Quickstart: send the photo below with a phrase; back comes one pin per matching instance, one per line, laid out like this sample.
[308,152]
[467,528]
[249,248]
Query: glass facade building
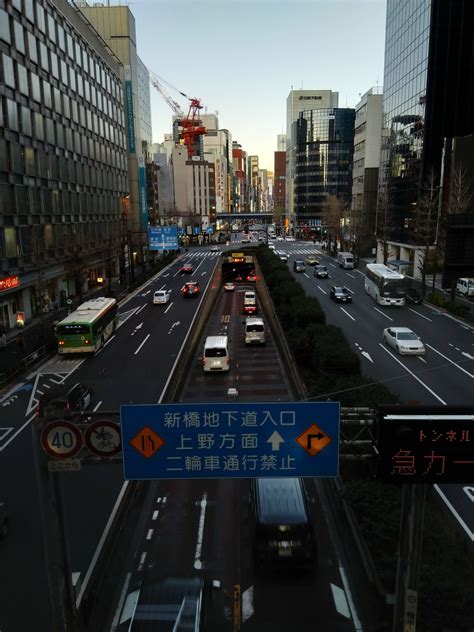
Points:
[428,92]
[63,160]
[323,160]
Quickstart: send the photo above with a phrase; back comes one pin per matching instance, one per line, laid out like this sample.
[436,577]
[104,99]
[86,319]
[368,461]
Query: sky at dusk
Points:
[242,57]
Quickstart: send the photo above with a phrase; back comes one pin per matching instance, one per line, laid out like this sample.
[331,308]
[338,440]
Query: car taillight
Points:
[61,343]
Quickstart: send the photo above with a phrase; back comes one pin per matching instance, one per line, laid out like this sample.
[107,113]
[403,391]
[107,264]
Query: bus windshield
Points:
[394,288]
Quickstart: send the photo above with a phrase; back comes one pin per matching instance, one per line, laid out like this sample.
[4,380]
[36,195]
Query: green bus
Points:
[87,328]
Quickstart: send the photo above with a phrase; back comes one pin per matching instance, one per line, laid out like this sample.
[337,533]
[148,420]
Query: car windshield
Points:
[407,335]
[321,268]
[339,289]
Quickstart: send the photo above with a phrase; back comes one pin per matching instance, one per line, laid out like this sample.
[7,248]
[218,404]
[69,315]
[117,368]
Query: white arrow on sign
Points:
[470,492]
[275,439]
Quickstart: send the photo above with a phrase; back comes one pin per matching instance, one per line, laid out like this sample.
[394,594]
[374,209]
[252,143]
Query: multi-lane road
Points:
[444,376]
[135,367]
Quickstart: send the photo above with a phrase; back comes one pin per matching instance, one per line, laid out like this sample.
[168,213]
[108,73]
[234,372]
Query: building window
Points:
[35,87]
[30,167]
[19,37]
[32,51]
[26,121]
[16,158]
[28,8]
[10,248]
[5,199]
[61,38]
[54,65]
[52,28]
[22,79]
[40,21]
[44,57]
[12,115]
[5,27]
[39,130]
[7,71]
[47,94]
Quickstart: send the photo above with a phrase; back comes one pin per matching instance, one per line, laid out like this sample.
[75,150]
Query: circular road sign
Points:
[103,438]
[61,439]
[69,301]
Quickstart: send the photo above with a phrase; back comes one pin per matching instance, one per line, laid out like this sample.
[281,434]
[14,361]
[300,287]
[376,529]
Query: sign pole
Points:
[409,557]
[55,540]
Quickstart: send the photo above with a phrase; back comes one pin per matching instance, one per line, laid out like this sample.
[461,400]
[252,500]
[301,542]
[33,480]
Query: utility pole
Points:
[409,557]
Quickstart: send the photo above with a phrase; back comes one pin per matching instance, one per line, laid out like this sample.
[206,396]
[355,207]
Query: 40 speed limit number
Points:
[61,439]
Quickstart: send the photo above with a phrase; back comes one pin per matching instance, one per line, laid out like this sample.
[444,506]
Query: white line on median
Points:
[149,534]
[119,605]
[451,361]
[139,310]
[142,344]
[355,618]
[340,601]
[142,560]
[413,375]
[347,313]
[202,517]
[380,312]
[458,517]
[418,314]
[155,514]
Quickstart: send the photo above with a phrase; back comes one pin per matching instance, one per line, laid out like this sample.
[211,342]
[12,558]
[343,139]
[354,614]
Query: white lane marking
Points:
[97,406]
[127,315]
[340,601]
[247,604]
[333,265]
[142,344]
[412,374]
[351,275]
[149,534]
[162,287]
[155,514]
[355,618]
[348,288]
[451,361]
[142,560]
[158,500]
[320,288]
[418,314]
[103,346]
[137,328]
[166,275]
[28,421]
[380,312]
[306,275]
[347,313]
[457,516]
[169,307]
[467,355]
[140,309]
[200,536]
[46,386]
[165,500]
[422,359]
[359,272]
[40,392]
[127,610]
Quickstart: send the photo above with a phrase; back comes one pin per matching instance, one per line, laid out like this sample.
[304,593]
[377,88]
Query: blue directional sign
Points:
[230,440]
[163,238]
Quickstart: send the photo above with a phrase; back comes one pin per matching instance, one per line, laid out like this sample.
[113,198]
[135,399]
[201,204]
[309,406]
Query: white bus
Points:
[87,328]
[386,286]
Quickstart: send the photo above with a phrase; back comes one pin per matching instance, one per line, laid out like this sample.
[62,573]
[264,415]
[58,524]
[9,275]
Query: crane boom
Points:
[170,101]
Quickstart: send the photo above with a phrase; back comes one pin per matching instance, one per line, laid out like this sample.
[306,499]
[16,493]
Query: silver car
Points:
[403,340]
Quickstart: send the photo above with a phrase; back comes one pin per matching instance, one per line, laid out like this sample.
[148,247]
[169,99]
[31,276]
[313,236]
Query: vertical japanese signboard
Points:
[129,110]
[142,192]
[425,444]
[230,440]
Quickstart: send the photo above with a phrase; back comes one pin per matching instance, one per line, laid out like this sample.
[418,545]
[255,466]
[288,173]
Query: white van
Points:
[465,286]
[161,296]
[346,260]
[250,303]
[254,331]
[216,354]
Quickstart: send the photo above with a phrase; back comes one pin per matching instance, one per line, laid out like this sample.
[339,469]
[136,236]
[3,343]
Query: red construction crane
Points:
[191,125]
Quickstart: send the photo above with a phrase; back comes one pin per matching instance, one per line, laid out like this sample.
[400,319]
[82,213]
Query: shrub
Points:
[333,354]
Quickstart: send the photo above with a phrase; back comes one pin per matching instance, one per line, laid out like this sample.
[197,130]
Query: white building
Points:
[365,170]
[296,102]
[281,142]
[194,189]
[215,148]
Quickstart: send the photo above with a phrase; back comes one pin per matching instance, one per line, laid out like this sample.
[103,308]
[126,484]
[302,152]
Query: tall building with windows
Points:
[63,157]
[297,102]
[279,188]
[428,96]
[239,179]
[367,142]
[253,184]
[116,25]
[323,161]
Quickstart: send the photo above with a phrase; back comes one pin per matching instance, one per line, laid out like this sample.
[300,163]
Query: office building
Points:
[116,25]
[279,187]
[297,102]
[63,158]
[360,229]
[427,98]
[323,161]
[194,190]
[281,142]
[239,179]
[253,184]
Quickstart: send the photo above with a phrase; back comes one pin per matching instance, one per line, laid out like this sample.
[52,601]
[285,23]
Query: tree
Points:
[424,223]
[383,224]
[333,212]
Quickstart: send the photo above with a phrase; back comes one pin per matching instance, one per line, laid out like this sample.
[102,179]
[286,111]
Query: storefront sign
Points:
[9,283]
[20,319]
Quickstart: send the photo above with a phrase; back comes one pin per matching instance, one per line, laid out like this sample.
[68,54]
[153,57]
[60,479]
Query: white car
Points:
[229,286]
[403,340]
[161,296]
[290,238]
[214,248]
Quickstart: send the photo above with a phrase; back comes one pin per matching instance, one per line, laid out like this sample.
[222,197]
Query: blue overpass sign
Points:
[230,440]
[163,238]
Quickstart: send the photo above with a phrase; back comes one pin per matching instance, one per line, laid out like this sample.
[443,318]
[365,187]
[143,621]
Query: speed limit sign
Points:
[61,439]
